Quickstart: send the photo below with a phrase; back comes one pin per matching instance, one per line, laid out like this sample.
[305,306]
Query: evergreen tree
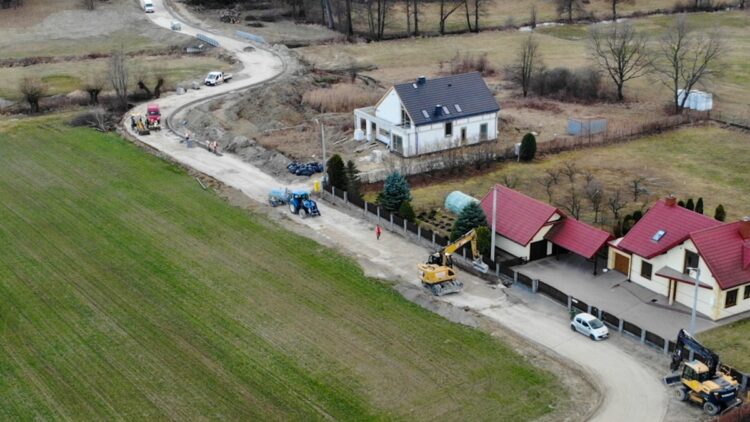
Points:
[353,183]
[336,172]
[395,191]
[699,206]
[407,212]
[690,205]
[471,217]
[528,147]
[681,203]
[720,214]
[484,241]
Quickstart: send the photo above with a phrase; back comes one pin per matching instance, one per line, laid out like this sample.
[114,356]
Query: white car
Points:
[589,325]
[148,6]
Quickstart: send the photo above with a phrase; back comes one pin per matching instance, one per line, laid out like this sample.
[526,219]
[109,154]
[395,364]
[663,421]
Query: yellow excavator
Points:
[438,274]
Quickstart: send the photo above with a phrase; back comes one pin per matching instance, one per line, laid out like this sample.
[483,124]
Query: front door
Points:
[622,263]
[538,250]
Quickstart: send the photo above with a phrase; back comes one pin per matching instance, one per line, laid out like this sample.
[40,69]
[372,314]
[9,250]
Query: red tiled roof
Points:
[676,221]
[578,237]
[724,251]
[519,217]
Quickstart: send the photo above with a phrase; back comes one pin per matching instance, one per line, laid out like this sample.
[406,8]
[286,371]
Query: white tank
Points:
[359,135]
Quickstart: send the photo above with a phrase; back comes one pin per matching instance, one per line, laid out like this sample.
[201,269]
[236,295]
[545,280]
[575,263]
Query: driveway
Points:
[631,391]
[611,292]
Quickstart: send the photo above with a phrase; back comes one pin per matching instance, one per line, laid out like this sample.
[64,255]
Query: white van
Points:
[148,6]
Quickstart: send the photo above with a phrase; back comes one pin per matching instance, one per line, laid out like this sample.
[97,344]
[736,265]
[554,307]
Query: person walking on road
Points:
[378,231]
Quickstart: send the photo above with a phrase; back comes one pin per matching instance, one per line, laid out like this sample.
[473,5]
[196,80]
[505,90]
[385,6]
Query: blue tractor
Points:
[299,201]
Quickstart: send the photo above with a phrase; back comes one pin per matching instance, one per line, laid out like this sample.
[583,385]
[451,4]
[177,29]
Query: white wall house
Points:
[430,115]
[657,252]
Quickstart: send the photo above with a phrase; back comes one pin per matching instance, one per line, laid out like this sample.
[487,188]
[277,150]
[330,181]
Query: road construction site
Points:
[627,378]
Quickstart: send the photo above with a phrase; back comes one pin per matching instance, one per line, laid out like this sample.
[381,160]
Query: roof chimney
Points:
[670,200]
[438,110]
[745,228]
[421,80]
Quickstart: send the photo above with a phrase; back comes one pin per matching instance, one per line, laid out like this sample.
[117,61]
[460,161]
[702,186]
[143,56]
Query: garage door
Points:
[622,263]
[538,250]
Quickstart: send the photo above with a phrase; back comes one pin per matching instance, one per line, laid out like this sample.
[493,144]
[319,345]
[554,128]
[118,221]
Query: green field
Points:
[732,342]
[128,292]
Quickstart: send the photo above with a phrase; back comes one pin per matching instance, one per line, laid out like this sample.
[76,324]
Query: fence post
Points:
[463,252]
[333,192]
[570,303]
[433,239]
[346,197]
[619,328]
[365,208]
[419,232]
[391,221]
[515,276]
[534,285]
[497,270]
[666,346]
[404,226]
[588,309]
[378,214]
[643,335]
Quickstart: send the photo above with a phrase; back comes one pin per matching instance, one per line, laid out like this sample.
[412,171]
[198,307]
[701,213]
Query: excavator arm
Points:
[470,237]
[701,352]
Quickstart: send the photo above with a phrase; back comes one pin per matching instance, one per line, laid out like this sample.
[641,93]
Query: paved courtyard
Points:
[611,292]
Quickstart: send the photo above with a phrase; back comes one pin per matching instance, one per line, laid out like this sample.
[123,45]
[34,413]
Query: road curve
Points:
[630,390]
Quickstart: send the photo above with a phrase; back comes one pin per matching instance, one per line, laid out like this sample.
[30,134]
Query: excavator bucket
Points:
[480,266]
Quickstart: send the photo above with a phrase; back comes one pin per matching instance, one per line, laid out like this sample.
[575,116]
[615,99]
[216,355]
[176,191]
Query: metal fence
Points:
[500,272]
[208,40]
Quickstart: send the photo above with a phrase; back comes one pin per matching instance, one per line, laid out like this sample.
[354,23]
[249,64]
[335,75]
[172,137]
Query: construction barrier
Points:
[250,37]
[208,40]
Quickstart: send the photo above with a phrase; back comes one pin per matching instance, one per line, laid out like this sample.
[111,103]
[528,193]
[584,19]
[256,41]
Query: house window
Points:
[731,299]
[691,261]
[405,120]
[483,131]
[385,132]
[646,270]
[463,133]
[373,128]
[746,295]
[449,129]
[398,144]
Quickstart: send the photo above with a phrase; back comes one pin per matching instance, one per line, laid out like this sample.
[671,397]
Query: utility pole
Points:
[695,299]
[494,223]
[322,139]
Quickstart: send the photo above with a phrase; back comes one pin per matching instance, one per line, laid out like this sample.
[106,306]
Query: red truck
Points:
[153,116]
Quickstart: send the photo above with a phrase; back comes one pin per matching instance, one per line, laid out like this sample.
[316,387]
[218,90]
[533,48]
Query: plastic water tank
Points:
[457,200]
[359,135]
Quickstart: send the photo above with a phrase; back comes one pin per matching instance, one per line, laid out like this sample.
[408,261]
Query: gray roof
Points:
[462,95]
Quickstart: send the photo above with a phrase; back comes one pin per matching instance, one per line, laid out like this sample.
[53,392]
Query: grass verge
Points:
[731,342]
[129,292]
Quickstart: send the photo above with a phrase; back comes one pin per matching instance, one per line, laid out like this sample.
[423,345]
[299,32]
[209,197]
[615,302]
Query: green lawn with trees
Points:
[129,292]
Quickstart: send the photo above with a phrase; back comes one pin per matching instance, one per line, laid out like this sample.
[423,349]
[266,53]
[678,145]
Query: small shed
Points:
[697,100]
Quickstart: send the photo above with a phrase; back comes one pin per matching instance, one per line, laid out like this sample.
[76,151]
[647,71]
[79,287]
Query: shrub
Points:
[720,214]
[690,204]
[336,172]
[407,212]
[352,180]
[470,63]
[528,147]
[471,217]
[484,241]
[339,98]
[699,206]
[563,83]
[395,191]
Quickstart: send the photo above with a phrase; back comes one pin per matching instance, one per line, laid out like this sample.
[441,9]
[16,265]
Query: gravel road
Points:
[631,390]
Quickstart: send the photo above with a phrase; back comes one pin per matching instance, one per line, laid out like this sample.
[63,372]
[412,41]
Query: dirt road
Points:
[631,390]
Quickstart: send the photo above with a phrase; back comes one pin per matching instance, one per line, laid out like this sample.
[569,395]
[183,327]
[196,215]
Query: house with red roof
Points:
[671,247]
[530,229]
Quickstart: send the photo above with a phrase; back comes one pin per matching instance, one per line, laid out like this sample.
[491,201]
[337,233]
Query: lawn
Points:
[128,292]
[709,162]
[731,342]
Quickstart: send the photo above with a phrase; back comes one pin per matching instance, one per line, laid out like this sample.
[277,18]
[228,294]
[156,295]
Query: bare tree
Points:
[528,60]
[621,53]
[32,90]
[570,170]
[616,204]
[572,202]
[637,186]
[349,27]
[595,195]
[568,7]
[741,4]
[685,59]
[510,181]
[94,84]
[415,13]
[549,187]
[553,174]
[615,3]
[474,9]
[118,77]
[89,4]
[532,16]
[377,15]
[447,8]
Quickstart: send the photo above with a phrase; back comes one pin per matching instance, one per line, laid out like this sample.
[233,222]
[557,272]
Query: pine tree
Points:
[720,214]
[690,205]
[528,147]
[336,172]
[353,183]
[471,217]
[681,203]
[699,206]
[407,212]
[395,191]
[484,241]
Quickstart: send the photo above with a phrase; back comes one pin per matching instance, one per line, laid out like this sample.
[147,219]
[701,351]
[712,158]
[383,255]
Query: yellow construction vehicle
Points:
[438,274]
[702,381]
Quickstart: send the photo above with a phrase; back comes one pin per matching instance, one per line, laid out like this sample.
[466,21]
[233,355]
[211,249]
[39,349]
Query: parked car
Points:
[215,78]
[589,325]
[148,6]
